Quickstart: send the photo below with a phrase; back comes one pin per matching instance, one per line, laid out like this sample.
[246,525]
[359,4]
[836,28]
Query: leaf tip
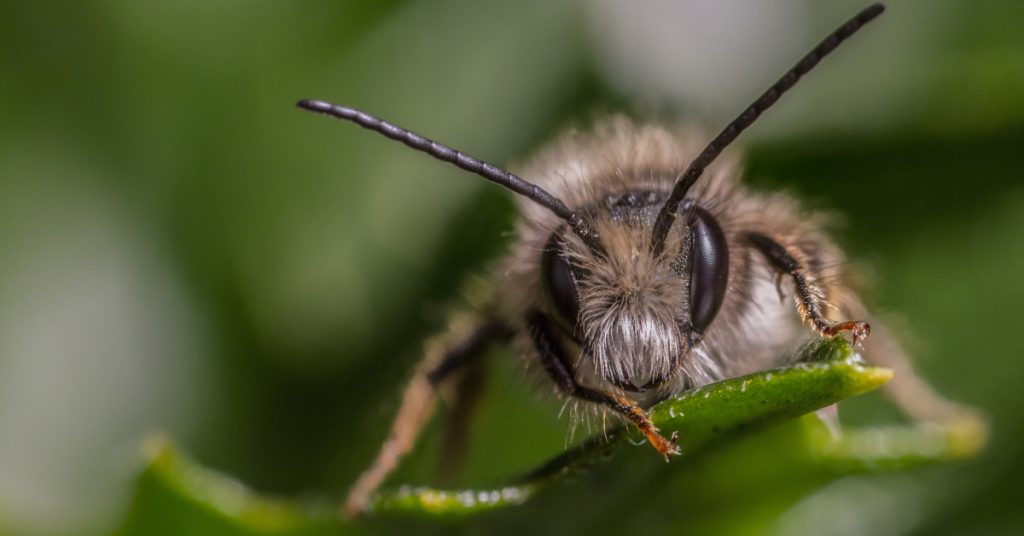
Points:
[874,377]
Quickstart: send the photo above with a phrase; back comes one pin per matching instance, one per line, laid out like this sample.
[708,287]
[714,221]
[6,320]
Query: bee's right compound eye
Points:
[559,286]
[709,270]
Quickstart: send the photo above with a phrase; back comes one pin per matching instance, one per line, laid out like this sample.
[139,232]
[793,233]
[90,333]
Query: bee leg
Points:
[444,356]
[965,427]
[908,391]
[466,387]
[559,368]
[810,297]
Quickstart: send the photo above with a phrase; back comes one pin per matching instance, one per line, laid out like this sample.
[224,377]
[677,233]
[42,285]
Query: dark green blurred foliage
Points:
[276,271]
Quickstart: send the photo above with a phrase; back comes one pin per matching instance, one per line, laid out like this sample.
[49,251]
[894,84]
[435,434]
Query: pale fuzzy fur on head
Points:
[632,306]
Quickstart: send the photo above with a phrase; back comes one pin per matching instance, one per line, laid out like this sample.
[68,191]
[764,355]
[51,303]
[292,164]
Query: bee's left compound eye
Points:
[709,269]
[559,286]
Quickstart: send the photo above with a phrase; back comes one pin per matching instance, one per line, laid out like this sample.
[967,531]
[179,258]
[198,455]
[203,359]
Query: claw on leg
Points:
[858,330]
[666,447]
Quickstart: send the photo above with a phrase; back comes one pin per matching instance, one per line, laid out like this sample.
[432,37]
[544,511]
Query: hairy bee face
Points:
[633,312]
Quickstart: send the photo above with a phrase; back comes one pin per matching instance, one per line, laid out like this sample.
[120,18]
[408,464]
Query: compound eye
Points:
[709,269]
[559,286]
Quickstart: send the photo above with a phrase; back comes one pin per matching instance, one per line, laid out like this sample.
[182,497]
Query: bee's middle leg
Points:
[446,358]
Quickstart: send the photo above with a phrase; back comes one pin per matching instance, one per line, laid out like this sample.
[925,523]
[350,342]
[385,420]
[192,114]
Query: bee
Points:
[644,268]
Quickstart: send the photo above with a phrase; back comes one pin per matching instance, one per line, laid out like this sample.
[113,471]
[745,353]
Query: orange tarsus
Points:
[666,447]
[858,330]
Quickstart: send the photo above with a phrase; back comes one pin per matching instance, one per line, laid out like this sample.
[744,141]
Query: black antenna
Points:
[442,152]
[668,212]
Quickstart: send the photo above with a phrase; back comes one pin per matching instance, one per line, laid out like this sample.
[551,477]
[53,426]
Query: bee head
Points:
[633,311]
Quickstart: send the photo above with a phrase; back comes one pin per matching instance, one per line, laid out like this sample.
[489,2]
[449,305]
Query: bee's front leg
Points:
[558,367]
[810,297]
[911,394]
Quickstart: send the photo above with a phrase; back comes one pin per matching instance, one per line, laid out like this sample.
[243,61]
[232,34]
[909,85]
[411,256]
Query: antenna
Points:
[446,154]
[667,216]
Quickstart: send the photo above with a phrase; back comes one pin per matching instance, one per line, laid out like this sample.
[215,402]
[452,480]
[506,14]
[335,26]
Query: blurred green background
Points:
[182,250]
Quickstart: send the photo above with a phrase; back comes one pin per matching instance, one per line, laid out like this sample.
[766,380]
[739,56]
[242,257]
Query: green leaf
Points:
[175,495]
[827,372]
